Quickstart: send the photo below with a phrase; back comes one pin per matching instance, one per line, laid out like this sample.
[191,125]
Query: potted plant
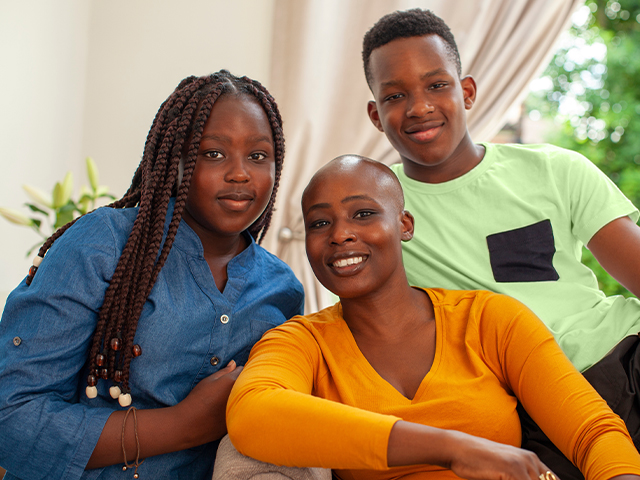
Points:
[51,211]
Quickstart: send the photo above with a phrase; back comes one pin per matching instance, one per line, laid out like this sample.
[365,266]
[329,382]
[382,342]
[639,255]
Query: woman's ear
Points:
[407,226]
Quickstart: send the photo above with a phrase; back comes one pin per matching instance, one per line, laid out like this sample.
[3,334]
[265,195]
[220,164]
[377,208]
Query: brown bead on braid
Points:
[174,135]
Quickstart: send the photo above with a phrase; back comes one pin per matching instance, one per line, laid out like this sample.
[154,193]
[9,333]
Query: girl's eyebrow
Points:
[226,139]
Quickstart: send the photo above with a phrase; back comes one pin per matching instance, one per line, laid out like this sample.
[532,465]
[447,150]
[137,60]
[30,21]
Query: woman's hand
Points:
[480,459]
[469,457]
[204,409]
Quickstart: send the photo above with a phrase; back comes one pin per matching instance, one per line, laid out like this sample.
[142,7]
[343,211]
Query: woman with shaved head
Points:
[404,382]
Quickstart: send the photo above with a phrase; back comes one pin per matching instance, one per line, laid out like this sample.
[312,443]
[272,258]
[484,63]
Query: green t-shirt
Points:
[516,224]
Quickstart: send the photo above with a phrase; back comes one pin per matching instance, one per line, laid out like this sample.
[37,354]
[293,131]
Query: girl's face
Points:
[235,169]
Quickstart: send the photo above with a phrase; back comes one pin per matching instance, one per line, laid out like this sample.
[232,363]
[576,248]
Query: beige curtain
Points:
[318,81]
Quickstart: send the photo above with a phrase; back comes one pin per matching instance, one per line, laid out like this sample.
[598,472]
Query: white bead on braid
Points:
[124,399]
[115,392]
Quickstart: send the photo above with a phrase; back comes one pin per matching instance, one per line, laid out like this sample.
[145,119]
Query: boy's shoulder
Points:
[542,151]
[513,160]
[528,159]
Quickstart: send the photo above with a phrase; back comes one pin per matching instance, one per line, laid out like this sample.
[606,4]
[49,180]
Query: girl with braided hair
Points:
[124,340]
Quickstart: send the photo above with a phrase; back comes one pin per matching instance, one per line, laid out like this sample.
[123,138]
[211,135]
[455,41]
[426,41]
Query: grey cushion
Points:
[232,465]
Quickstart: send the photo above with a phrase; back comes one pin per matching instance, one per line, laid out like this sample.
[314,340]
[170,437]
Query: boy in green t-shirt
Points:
[507,218]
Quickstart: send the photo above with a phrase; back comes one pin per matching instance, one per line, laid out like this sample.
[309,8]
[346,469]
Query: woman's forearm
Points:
[410,444]
[468,456]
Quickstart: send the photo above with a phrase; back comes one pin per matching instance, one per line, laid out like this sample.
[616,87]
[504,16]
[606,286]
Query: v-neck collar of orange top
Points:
[440,334]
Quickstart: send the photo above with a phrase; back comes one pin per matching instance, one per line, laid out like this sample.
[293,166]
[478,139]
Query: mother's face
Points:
[354,224]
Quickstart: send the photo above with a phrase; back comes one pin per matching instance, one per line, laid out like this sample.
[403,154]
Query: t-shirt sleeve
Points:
[594,200]
[554,393]
[45,333]
[273,416]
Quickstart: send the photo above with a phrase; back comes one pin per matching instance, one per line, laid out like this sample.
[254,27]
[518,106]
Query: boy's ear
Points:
[374,116]
[408,223]
[469,90]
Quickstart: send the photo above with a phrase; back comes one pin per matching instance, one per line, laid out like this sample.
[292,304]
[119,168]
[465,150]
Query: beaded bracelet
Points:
[137,462]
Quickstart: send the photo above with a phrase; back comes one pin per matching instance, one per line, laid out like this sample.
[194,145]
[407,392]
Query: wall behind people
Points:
[85,78]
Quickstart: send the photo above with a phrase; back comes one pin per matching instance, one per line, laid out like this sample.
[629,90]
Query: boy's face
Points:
[354,224]
[420,101]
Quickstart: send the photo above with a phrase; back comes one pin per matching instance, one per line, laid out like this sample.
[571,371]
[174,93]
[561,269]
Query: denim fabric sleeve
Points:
[45,333]
[294,293]
[300,308]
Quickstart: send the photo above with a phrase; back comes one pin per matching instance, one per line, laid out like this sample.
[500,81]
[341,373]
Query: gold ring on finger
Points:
[548,475]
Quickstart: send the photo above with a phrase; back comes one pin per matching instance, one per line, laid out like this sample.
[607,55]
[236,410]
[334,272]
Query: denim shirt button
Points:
[17,341]
[224,319]
[214,361]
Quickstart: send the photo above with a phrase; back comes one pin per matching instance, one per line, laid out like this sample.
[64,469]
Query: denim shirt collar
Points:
[187,241]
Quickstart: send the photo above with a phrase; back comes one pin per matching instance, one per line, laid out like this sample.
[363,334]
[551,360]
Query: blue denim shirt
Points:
[48,427]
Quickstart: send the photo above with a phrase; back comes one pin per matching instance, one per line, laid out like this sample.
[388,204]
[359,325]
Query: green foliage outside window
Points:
[591,91]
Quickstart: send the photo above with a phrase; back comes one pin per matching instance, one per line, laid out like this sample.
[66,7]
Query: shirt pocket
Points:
[524,254]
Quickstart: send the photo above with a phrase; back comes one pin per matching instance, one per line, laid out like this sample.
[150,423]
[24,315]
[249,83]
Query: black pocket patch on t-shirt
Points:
[524,254]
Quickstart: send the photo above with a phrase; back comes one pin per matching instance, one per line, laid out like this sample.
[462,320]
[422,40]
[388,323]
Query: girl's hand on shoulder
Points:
[204,409]
[481,459]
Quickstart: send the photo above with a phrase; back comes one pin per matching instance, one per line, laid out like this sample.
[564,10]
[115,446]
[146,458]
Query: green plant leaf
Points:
[63,217]
[60,203]
[64,214]
[35,208]
[84,204]
[69,207]
[92,173]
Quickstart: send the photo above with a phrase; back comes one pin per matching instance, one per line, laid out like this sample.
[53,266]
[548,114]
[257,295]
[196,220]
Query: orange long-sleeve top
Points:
[309,397]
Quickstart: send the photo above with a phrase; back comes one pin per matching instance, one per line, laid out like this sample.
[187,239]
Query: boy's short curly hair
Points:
[403,24]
